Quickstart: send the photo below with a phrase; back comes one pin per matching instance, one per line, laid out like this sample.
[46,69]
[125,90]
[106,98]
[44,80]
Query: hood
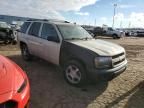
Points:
[10,78]
[101,47]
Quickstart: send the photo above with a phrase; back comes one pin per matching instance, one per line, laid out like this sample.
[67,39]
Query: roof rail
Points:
[49,20]
[57,20]
[32,20]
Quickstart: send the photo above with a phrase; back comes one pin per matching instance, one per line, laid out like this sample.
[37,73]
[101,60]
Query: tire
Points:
[14,42]
[74,73]
[25,53]
[115,36]
[118,37]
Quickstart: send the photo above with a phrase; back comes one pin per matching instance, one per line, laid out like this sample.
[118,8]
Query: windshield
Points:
[73,32]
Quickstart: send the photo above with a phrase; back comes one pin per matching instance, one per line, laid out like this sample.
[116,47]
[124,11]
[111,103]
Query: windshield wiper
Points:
[73,38]
[85,38]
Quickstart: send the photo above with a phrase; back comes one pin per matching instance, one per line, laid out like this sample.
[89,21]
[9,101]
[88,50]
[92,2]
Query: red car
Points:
[14,85]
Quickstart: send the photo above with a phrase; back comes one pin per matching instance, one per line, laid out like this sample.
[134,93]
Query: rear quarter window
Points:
[25,27]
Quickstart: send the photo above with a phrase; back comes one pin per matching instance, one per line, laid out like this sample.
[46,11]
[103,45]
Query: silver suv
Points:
[69,46]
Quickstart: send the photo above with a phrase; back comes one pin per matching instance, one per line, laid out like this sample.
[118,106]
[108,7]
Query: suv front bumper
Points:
[107,74]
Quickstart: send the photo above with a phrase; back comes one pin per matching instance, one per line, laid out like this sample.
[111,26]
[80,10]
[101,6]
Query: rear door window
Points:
[34,29]
[25,27]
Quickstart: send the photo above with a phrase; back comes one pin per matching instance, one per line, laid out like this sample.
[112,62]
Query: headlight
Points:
[103,62]
[22,87]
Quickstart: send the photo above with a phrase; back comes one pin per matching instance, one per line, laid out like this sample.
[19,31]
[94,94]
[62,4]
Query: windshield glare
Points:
[73,32]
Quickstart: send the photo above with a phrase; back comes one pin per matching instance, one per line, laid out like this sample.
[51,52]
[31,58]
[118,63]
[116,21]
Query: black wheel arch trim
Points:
[70,51]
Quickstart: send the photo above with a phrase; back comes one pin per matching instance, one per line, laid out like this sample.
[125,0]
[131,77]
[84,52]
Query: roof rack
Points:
[49,20]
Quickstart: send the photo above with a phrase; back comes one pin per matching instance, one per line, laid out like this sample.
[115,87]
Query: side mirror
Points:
[53,38]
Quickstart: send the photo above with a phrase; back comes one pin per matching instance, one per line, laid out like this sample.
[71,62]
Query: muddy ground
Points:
[49,89]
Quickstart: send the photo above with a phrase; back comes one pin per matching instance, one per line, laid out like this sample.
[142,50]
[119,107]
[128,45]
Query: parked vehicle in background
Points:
[14,85]
[133,33]
[136,32]
[94,31]
[89,29]
[15,28]
[116,34]
[140,33]
[71,47]
[127,33]
[107,31]
[6,33]
[98,31]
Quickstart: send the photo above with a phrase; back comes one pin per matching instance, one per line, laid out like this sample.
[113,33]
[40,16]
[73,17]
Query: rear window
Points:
[25,27]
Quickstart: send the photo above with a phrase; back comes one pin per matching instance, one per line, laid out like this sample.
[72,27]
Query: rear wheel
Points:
[25,52]
[74,73]
[115,36]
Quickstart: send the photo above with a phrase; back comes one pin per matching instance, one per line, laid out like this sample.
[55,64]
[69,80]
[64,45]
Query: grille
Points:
[9,104]
[118,59]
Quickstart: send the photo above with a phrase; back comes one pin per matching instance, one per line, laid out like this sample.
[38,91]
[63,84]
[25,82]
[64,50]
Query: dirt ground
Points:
[49,89]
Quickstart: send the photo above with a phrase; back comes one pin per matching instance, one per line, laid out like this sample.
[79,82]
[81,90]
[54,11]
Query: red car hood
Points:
[11,76]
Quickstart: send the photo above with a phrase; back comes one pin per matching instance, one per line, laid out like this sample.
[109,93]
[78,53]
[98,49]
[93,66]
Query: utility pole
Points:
[121,24]
[95,22]
[115,5]
[129,25]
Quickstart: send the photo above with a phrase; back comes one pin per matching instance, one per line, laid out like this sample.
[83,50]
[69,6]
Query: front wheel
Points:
[25,52]
[74,73]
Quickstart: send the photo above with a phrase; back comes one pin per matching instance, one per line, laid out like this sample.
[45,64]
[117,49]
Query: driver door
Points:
[50,43]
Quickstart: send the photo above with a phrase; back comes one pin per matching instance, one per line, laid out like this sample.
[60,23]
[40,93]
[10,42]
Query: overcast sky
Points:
[99,12]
